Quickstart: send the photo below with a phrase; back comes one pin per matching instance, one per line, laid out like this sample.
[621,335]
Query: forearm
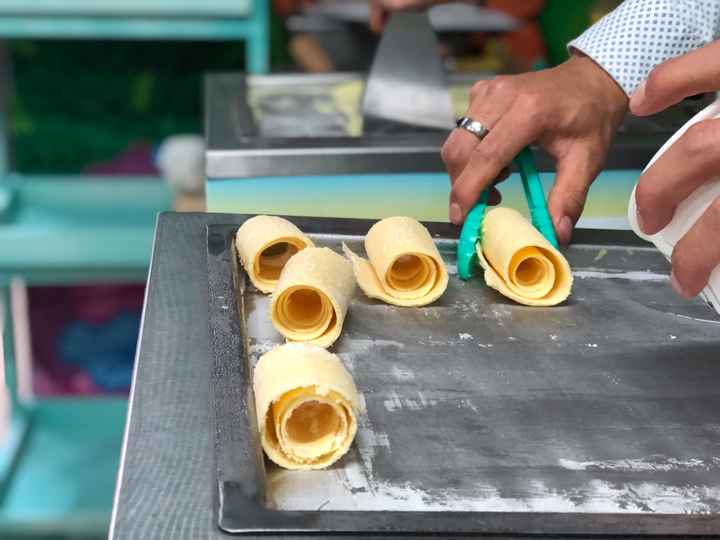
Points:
[640,34]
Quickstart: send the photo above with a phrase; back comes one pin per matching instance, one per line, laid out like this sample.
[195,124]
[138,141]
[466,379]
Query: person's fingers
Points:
[494,198]
[478,90]
[502,176]
[380,10]
[377,15]
[460,143]
[488,102]
[691,161]
[670,82]
[398,5]
[514,131]
[697,253]
[575,173]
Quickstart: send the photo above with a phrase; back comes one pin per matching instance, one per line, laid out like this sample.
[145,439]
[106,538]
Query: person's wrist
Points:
[600,83]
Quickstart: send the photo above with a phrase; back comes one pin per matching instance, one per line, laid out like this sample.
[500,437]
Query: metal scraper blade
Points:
[407,79]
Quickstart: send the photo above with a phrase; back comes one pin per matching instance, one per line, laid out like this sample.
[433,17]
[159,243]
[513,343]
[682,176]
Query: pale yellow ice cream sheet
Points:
[306,404]
[312,296]
[404,268]
[520,263]
[347,98]
[264,245]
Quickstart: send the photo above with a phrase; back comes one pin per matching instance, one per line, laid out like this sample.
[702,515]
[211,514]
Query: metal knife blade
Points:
[407,82]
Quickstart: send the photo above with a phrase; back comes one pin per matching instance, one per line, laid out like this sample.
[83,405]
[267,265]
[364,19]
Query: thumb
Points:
[696,72]
[575,173]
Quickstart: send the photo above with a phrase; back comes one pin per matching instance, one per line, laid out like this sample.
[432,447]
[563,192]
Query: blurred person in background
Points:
[523,47]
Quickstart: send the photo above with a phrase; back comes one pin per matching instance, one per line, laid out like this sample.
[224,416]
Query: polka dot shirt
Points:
[640,34]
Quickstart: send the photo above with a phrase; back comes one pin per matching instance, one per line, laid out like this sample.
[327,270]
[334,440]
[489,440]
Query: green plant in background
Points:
[81,102]
[142,89]
[563,20]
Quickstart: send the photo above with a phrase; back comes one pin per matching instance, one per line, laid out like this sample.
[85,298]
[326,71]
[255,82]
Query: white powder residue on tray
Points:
[425,401]
[394,402]
[349,488]
[695,319]
[465,337]
[467,309]
[501,312]
[469,405]
[257,319]
[363,345]
[402,374]
[412,404]
[258,348]
[631,276]
[367,439]
[431,312]
[354,485]
[634,465]
[432,342]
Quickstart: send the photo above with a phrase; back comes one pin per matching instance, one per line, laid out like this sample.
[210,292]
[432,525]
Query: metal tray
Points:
[601,416]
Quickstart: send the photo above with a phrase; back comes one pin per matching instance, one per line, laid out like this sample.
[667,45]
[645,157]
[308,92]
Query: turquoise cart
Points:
[57,466]
[246,20]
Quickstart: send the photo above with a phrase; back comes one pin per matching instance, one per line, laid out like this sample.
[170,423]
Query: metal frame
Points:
[240,465]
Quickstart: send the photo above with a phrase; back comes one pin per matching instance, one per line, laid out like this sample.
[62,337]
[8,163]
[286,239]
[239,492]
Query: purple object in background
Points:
[137,159]
[84,337]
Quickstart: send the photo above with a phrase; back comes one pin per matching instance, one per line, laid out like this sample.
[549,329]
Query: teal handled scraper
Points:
[471,235]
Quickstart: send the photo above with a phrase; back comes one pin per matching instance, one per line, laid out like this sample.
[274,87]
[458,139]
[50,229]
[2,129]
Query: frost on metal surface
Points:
[605,404]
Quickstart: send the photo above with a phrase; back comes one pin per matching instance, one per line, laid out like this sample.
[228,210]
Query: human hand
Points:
[381,9]
[572,110]
[692,161]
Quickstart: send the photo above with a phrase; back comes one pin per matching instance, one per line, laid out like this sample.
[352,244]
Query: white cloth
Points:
[640,34]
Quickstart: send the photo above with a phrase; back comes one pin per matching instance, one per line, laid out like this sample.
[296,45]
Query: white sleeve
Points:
[640,34]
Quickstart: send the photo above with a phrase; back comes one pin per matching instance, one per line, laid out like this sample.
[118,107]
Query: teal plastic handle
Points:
[470,235]
[535,196]
[471,232]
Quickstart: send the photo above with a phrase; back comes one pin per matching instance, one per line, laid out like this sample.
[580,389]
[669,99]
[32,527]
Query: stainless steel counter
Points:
[296,124]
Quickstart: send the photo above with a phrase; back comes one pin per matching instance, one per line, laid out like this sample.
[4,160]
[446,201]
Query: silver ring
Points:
[473,126]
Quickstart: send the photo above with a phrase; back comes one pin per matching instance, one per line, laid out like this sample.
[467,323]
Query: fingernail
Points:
[638,96]
[564,229]
[677,286]
[640,220]
[455,213]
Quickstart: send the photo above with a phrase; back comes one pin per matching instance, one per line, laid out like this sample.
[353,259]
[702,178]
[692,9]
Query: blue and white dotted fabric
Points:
[640,34]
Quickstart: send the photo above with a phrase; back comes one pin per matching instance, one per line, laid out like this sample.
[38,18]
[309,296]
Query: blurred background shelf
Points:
[75,229]
[84,439]
[78,206]
[244,20]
